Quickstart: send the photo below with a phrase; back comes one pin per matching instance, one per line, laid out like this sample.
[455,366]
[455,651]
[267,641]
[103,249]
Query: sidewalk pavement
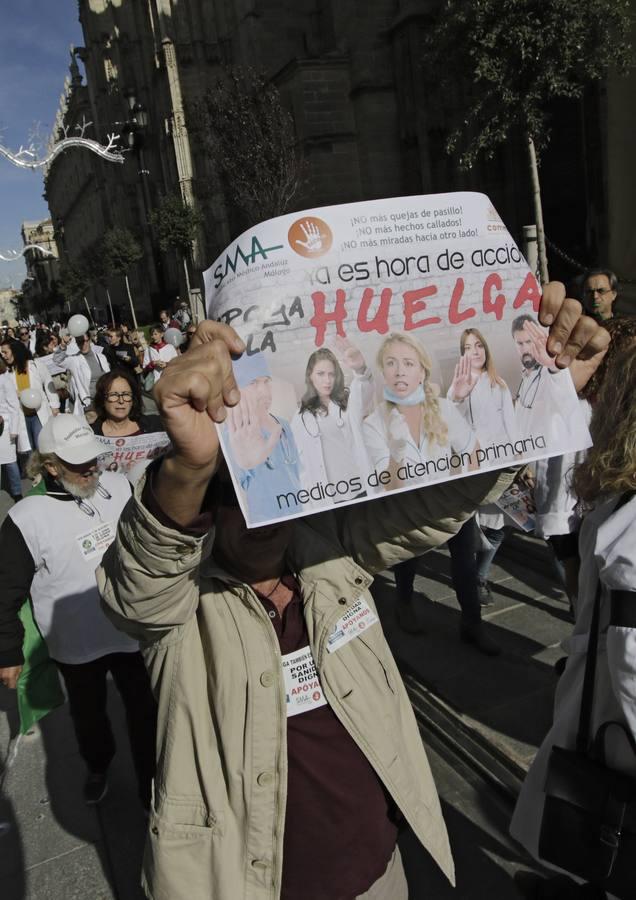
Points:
[506,699]
[52,846]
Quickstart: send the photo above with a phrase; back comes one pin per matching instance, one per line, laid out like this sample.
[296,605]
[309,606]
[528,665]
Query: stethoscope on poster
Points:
[523,399]
[340,423]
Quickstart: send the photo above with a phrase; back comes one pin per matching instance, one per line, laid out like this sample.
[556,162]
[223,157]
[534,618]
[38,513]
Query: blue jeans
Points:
[495,537]
[463,573]
[34,427]
[11,472]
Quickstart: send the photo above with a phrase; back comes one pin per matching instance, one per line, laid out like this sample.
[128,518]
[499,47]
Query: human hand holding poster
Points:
[391,344]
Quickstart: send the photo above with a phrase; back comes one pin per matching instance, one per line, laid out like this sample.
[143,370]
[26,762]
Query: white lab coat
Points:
[553,495]
[382,432]
[489,411]
[11,413]
[80,372]
[606,547]
[152,354]
[39,380]
[306,431]
[546,405]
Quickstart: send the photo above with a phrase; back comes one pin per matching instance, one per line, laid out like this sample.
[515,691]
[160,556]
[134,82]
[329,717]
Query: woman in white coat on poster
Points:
[414,434]
[606,550]
[327,428]
[482,396]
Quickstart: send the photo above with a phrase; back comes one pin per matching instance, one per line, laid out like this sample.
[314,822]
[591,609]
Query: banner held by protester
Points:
[391,344]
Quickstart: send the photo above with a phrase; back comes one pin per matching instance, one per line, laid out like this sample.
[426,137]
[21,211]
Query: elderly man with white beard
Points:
[51,545]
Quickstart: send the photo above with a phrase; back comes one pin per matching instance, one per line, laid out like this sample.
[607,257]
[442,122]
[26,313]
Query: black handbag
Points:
[588,826]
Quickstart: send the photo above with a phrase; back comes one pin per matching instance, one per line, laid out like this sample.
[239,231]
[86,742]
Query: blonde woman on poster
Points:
[415,434]
[328,425]
[481,395]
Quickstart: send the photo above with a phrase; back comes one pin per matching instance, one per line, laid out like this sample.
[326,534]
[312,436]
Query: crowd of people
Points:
[263,717]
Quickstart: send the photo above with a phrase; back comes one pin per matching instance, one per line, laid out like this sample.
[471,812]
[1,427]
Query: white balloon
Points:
[173,336]
[78,325]
[30,398]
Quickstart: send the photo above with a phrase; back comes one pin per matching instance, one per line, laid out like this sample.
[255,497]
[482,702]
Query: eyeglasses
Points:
[601,291]
[119,395]
[24,334]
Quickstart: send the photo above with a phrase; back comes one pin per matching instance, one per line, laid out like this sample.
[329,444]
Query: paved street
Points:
[53,847]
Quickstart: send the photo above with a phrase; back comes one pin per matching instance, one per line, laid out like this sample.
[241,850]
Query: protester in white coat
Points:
[157,355]
[606,550]
[34,375]
[86,363]
[328,425]
[9,428]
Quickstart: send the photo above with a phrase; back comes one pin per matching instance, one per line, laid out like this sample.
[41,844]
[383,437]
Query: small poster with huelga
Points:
[390,344]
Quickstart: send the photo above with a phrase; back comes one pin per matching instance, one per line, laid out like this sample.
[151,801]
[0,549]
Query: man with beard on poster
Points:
[546,406]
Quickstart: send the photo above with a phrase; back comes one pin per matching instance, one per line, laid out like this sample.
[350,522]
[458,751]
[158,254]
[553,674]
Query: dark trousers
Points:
[87,694]
[463,573]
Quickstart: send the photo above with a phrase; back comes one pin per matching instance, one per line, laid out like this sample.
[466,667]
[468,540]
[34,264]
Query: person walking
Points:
[51,544]
[606,482]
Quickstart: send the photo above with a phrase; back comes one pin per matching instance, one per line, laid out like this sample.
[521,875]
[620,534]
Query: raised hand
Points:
[249,445]
[539,344]
[398,436]
[574,340]
[464,379]
[349,355]
[313,236]
[194,391]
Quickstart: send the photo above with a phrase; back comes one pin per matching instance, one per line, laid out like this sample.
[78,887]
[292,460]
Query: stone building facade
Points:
[43,268]
[367,123]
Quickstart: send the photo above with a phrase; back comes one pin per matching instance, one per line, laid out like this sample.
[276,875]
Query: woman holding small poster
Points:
[131,439]
[481,395]
[414,434]
[328,425]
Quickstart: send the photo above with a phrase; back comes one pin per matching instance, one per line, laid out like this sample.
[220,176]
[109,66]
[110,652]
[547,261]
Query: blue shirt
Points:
[275,478]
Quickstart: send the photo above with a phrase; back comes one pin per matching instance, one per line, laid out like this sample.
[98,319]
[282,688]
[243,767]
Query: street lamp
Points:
[135,129]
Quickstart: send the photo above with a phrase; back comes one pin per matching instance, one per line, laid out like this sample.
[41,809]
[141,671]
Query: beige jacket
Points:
[217,825]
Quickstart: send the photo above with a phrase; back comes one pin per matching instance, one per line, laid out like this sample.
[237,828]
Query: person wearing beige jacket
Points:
[287,749]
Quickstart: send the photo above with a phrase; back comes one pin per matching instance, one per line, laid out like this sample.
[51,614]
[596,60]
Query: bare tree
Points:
[251,137]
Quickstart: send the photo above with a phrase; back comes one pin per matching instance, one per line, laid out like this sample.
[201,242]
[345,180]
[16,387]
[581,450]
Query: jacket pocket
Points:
[387,675]
[183,817]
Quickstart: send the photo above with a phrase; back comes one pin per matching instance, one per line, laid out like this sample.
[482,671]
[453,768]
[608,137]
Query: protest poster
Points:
[51,365]
[518,504]
[131,455]
[391,344]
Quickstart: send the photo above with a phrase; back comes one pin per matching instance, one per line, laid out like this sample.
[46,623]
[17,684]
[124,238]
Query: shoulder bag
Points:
[589,818]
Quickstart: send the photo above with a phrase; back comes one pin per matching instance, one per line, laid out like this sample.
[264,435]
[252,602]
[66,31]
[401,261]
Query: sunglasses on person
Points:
[119,395]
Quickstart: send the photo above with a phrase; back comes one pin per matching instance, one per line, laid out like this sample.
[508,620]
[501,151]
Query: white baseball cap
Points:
[70,438]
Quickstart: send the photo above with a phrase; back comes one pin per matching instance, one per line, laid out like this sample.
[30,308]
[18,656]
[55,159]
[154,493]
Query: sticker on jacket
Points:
[302,685]
[357,619]
[97,541]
